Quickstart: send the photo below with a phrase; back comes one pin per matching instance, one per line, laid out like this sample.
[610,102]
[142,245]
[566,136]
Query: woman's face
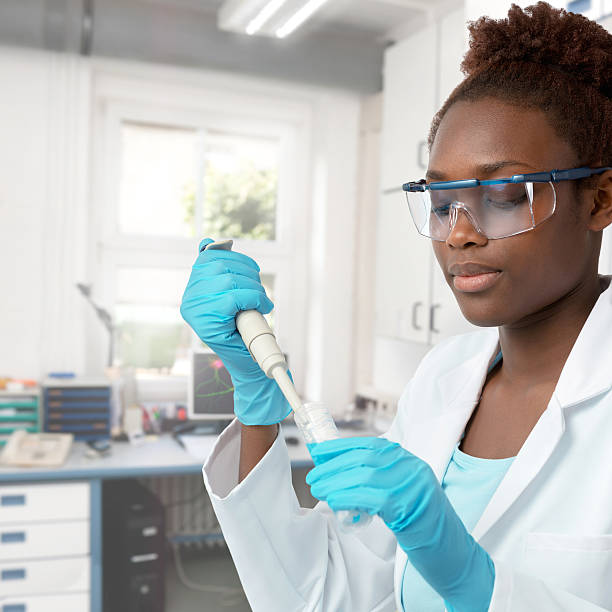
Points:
[537,267]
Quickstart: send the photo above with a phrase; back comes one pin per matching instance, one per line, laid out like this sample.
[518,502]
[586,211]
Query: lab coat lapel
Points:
[586,373]
[457,392]
[534,453]
[434,436]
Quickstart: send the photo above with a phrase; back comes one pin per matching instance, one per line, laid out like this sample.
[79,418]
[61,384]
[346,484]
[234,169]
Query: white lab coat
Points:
[548,526]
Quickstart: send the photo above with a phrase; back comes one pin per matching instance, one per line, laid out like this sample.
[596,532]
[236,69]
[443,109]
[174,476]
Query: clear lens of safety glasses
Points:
[496,211]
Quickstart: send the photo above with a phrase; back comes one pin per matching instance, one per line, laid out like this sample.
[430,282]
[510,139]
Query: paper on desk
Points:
[198,446]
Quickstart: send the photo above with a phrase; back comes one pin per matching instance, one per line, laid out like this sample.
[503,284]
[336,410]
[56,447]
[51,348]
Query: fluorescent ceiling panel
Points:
[277,18]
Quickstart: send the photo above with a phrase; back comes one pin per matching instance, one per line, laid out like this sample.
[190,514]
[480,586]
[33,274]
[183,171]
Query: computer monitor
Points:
[210,392]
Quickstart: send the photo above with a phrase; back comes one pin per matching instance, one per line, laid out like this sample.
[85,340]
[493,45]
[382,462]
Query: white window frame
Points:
[121,97]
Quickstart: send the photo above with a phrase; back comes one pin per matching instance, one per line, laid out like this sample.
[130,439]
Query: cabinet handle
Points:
[422,146]
[414,315]
[432,314]
[13,574]
[144,558]
[12,500]
[10,537]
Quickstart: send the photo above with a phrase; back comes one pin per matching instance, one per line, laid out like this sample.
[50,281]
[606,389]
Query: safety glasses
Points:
[497,208]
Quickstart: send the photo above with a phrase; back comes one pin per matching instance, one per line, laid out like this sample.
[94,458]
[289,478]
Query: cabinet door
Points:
[403,261]
[408,107]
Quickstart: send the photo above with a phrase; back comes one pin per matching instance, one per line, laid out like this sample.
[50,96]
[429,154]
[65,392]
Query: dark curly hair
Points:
[548,59]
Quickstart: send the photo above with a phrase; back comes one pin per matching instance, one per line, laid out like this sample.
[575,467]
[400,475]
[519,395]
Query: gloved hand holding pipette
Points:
[222,284]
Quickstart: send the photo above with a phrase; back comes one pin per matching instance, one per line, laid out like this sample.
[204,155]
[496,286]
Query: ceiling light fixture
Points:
[266,12]
[299,17]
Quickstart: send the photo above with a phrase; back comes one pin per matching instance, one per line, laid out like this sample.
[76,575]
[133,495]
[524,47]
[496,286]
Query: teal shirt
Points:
[469,483]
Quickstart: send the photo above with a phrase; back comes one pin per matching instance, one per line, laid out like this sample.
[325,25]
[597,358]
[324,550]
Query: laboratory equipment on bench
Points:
[312,418]
[25,449]
[81,406]
[210,390]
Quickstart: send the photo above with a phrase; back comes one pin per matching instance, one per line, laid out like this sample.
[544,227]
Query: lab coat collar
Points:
[587,372]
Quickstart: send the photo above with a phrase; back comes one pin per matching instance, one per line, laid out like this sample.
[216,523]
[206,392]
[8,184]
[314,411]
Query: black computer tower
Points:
[133,548]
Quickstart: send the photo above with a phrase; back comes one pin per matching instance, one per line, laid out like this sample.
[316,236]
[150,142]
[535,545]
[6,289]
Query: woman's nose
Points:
[463,228]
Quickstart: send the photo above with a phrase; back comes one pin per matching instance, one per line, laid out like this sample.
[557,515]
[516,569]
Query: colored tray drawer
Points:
[44,502]
[93,392]
[82,427]
[17,415]
[38,540]
[17,404]
[55,415]
[6,429]
[57,405]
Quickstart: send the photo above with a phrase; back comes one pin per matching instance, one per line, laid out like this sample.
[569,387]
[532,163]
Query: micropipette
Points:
[313,420]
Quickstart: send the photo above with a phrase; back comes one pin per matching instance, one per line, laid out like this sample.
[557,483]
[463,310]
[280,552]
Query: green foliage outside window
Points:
[237,204]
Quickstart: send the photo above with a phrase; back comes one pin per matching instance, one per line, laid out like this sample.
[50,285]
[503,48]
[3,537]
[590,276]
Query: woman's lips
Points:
[475,283]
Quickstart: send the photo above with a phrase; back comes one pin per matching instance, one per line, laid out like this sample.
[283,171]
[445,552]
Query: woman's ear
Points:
[601,209]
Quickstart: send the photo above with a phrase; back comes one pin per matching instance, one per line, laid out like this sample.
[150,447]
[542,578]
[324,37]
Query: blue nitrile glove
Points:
[221,284]
[383,478]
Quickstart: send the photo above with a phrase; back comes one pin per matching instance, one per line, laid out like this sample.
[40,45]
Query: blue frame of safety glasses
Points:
[554,176]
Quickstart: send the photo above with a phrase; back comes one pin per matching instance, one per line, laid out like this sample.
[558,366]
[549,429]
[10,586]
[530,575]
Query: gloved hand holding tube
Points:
[384,478]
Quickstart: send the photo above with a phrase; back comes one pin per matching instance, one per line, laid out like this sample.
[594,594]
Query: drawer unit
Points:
[39,540]
[80,408]
[60,575]
[75,602]
[44,502]
[19,410]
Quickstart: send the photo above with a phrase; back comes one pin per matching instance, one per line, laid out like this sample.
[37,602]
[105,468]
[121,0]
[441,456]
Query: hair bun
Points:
[541,34]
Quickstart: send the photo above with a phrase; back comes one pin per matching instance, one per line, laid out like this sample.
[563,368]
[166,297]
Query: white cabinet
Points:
[45,561]
[38,540]
[42,576]
[44,502]
[73,602]
[409,98]
[403,265]
[413,301]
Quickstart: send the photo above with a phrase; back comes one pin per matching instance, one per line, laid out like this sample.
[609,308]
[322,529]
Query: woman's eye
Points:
[507,203]
[441,210]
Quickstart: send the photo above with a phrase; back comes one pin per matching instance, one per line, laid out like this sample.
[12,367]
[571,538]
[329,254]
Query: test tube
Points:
[316,424]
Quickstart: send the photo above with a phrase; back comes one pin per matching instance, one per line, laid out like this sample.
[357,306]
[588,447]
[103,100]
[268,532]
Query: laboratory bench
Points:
[51,519]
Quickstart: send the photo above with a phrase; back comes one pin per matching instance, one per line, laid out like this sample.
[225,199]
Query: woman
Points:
[493,487]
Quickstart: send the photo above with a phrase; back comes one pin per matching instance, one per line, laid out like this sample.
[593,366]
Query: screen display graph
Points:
[212,387]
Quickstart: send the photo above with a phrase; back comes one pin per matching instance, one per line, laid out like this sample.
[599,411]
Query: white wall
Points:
[45,156]
[43,166]
[368,188]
